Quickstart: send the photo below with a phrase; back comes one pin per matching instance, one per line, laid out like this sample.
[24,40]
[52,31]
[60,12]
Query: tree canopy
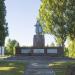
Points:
[3,23]
[10,46]
[57,17]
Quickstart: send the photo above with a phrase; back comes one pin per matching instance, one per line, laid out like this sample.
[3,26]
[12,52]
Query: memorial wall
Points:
[39,51]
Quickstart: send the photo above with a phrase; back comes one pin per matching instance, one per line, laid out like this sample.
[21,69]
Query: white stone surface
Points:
[51,50]
[38,51]
[25,50]
[1,50]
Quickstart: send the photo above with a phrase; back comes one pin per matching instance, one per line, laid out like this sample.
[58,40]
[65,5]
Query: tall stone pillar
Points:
[38,41]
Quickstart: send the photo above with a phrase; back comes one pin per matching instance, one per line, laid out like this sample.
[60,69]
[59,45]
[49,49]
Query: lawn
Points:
[12,68]
[61,68]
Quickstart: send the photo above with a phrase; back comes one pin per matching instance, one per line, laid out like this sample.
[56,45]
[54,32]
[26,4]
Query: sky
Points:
[21,17]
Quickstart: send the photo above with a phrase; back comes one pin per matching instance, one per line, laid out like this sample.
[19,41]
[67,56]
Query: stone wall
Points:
[51,51]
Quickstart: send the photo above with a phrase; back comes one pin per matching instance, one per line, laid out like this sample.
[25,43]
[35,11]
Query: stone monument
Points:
[38,40]
[39,47]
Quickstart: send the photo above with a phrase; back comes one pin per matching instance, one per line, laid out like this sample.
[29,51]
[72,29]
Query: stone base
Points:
[46,51]
[38,41]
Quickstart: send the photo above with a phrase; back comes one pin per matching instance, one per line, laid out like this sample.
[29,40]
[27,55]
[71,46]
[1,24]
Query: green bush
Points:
[70,50]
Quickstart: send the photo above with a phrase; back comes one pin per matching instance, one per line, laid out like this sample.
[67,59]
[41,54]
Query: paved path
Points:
[39,68]
[36,58]
[38,65]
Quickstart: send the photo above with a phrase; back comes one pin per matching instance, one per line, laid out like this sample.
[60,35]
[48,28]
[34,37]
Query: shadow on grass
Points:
[12,68]
[62,68]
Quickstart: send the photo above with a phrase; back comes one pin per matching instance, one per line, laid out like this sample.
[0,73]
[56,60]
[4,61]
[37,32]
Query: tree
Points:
[58,41]
[57,17]
[71,48]
[70,13]
[3,24]
[11,45]
[52,44]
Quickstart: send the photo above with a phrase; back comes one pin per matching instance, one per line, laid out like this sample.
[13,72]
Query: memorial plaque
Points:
[52,51]
[38,50]
[25,50]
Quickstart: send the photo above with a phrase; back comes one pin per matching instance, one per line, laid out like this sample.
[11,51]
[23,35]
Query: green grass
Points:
[4,56]
[12,68]
[61,68]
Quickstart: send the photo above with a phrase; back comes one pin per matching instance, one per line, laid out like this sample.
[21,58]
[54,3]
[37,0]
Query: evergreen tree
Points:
[3,24]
